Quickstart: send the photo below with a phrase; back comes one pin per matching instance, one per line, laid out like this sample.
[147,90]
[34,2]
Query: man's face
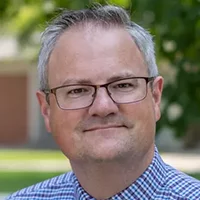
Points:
[104,131]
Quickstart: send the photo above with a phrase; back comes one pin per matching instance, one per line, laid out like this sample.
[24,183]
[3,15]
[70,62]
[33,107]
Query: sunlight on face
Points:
[105,130]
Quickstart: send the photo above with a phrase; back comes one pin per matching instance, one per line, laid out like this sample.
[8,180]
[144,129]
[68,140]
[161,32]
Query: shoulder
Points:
[59,186]
[179,185]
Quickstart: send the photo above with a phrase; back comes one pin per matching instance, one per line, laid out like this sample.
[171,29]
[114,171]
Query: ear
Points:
[44,108]
[157,93]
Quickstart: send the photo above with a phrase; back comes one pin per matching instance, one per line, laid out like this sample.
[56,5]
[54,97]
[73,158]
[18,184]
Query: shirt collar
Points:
[144,187]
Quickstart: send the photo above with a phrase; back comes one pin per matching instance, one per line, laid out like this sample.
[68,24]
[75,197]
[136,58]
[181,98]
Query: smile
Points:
[104,128]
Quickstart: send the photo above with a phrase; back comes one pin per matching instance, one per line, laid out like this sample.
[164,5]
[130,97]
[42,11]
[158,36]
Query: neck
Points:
[105,179]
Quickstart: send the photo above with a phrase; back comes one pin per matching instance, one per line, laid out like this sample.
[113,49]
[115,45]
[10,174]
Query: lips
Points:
[103,127]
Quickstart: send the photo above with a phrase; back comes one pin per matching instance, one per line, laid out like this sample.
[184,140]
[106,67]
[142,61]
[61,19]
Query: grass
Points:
[13,181]
[30,154]
[197,176]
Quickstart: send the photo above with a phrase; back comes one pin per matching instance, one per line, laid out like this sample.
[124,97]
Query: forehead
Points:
[94,53]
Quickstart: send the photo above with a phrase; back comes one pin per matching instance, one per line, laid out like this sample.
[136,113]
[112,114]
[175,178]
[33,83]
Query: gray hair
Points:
[102,15]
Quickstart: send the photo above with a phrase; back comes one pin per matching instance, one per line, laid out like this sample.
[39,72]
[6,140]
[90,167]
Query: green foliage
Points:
[175,24]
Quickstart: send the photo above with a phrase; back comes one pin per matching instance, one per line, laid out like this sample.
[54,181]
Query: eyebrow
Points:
[76,81]
[89,82]
[121,76]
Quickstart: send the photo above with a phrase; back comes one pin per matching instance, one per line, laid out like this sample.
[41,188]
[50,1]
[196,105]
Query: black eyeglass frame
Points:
[47,92]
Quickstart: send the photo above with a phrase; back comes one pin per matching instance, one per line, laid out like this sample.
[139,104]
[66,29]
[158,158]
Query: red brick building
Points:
[21,124]
[19,113]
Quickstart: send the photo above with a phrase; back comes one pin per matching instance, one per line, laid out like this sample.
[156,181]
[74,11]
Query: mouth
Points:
[104,128]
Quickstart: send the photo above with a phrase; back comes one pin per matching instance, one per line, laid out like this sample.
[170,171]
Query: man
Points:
[100,96]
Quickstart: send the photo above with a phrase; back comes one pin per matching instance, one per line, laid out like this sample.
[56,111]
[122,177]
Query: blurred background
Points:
[27,152]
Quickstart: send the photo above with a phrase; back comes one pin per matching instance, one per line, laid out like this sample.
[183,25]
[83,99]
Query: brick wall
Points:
[13,109]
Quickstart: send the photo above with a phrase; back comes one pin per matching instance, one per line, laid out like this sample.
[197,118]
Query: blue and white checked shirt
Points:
[159,182]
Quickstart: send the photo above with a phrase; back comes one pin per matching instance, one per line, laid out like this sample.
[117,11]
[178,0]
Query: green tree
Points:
[176,26]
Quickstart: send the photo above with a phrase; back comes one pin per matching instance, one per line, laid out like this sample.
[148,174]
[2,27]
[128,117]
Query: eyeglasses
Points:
[123,91]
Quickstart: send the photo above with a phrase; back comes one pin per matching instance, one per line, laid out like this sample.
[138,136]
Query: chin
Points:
[107,153]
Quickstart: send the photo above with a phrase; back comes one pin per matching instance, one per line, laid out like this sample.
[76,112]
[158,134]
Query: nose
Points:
[103,105]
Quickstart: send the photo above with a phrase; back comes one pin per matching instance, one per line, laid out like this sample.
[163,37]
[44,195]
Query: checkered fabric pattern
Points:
[159,182]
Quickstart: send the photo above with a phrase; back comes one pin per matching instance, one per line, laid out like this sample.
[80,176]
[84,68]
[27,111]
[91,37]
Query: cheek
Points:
[64,122]
[142,115]
[140,111]
[64,129]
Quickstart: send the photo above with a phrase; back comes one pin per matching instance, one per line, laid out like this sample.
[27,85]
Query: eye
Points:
[77,91]
[124,85]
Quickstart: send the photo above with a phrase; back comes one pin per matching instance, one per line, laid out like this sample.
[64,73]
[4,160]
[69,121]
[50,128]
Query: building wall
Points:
[14,103]
[21,124]
[13,108]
